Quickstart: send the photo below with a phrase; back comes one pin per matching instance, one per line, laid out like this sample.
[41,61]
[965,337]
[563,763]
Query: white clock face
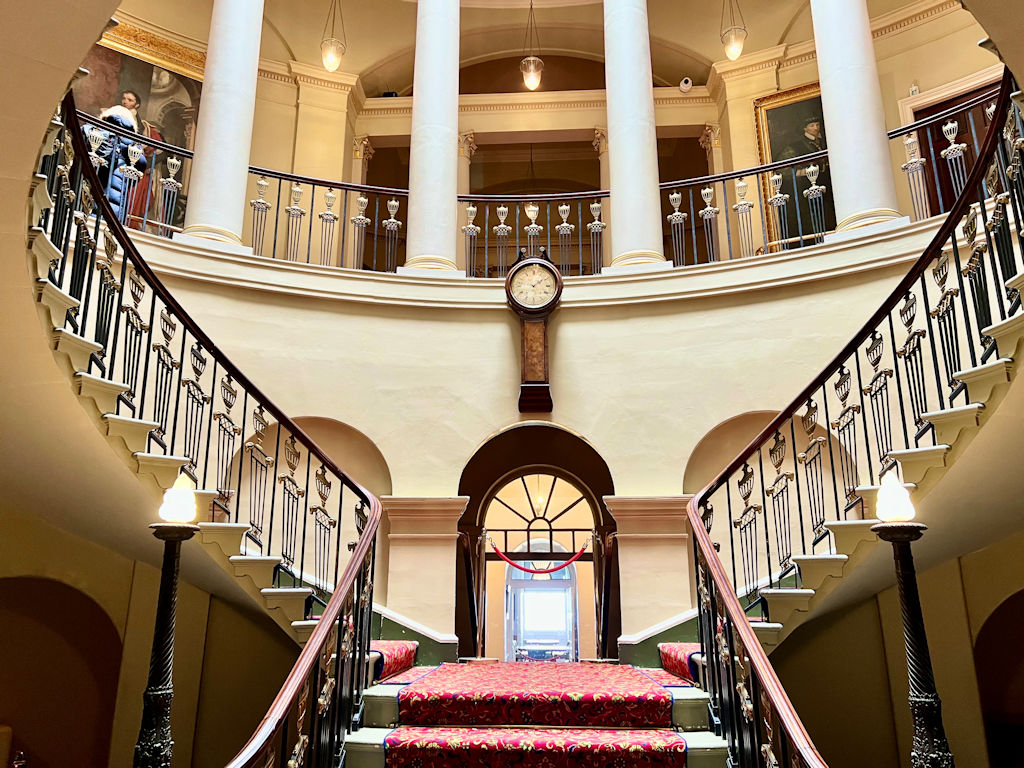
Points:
[533,286]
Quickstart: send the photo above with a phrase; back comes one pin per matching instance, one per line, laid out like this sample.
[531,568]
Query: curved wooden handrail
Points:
[314,646]
[762,668]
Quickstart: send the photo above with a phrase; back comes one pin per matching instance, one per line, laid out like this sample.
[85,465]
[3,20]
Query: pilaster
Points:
[656,577]
[422,558]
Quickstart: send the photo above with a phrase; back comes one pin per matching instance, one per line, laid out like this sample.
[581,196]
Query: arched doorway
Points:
[535,500]
[1000,675]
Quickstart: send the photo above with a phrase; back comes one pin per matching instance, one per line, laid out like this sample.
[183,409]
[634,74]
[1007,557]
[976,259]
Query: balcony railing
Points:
[258,467]
[817,459]
[766,209]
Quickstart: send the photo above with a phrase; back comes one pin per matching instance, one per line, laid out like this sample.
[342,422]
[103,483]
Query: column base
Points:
[876,227]
[212,243]
[645,266]
[428,263]
[213,232]
[867,218]
[633,258]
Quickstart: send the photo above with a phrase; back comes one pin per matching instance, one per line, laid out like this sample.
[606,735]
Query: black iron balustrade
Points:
[706,219]
[819,458]
[256,464]
[569,227]
[716,218]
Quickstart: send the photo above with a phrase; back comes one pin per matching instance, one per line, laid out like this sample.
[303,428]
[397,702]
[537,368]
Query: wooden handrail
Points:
[761,667]
[314,646]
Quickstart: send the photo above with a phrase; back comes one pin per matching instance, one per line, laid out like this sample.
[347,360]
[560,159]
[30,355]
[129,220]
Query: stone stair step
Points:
[291,601]
[869,495]
[768,632]
[39,197]
[950,423]
[689,708]
[164,469]
[983,379]
[76,349]
[54,301]
[1008,335]
[259,568]
[227,537]
[102,392]
[915,463]
[133,432]
[816,569]
[851,534]
[41,251]
[783,603]
[302,630]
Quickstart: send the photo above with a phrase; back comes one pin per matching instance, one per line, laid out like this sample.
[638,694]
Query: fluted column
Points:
[433,145]
[467,147]
[858,150]
[217,188]
[632,151]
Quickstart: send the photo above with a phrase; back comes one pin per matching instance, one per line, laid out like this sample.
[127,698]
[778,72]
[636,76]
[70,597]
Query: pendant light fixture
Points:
[734,33]
[531,66]
[333,45]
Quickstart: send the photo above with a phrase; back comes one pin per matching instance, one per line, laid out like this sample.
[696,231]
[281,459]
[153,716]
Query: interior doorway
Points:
[536,516]
[542,621]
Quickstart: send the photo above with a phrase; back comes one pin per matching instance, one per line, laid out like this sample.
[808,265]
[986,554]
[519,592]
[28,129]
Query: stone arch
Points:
[527,447]
[58,641]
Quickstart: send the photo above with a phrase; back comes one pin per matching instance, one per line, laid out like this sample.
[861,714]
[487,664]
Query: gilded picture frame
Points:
[780,120]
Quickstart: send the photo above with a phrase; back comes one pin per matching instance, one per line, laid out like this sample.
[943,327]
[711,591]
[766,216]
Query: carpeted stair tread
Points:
[409,747]
[395,656]
[542,693]
[678,658]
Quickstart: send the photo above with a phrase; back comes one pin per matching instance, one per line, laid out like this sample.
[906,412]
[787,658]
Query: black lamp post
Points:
[154,745]
[894,508]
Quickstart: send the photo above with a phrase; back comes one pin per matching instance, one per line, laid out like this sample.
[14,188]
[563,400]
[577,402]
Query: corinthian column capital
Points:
[467,144]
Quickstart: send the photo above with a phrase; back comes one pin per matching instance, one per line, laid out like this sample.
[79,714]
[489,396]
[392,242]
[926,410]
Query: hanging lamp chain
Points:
[531,35]
[733,7]
[334,16]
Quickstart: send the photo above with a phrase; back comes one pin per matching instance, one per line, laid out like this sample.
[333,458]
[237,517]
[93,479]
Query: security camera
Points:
[685,85]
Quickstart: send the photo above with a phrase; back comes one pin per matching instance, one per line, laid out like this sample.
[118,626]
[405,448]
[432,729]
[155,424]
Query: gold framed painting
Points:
[159,81]
[789,124]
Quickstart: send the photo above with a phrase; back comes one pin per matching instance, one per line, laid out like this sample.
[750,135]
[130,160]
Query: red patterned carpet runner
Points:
[409,676]
[542,693]
[677,658]
[396,656]
[505,747]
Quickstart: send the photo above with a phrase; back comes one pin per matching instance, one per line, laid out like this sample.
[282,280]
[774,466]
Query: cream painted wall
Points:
[664,367]
[126,590]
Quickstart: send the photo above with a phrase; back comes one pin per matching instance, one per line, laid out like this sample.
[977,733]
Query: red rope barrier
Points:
[566,564]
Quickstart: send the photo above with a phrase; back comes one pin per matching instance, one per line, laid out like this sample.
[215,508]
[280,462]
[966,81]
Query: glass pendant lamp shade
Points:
[333,44]
[733,39]
[331,51]
[733,31]
[531,67]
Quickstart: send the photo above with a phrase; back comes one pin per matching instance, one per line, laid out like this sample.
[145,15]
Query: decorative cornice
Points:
[156,46]
[912,15]
[317,77]
[549,102]
[275,71]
